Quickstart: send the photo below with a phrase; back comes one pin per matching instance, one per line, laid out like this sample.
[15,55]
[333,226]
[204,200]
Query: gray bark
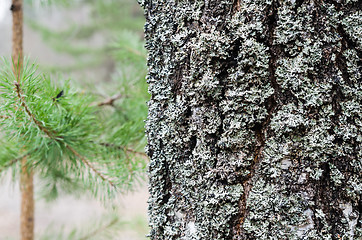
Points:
[254,125]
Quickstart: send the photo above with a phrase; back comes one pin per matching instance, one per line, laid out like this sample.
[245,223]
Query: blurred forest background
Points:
[98,44]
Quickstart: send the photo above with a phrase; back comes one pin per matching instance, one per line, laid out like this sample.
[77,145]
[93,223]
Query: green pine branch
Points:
[58,129]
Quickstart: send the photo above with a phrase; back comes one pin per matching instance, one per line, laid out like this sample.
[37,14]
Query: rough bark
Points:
[254,125]
[26,174]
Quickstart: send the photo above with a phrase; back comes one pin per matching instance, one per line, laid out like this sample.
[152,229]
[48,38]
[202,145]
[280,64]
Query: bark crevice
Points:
[260,129]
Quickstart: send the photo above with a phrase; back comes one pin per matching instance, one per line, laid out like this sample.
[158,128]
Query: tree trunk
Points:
[254,125]
[27,202]
[26,174]
[17,51]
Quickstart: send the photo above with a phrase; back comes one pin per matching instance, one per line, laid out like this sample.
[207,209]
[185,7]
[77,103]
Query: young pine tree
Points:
[56,133]
[62,136]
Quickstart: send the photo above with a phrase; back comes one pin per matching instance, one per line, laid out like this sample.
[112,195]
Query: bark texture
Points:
[26,174]
[254,125]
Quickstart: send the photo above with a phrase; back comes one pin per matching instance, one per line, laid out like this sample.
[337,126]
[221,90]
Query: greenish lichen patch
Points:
[254,125]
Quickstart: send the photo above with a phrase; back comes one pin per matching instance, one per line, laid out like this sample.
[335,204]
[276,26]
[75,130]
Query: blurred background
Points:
[98,45]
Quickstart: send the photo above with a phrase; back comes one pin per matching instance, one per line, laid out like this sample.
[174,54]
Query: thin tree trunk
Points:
[17,51]
[26,175]
[254,124]
[27,202]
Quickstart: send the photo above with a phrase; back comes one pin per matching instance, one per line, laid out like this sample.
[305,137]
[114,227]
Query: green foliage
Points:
[107,20]
[75,117]
[80,141]
[61,132]
[120,24]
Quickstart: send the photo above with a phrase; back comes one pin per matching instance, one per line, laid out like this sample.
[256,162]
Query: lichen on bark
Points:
[254,125]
